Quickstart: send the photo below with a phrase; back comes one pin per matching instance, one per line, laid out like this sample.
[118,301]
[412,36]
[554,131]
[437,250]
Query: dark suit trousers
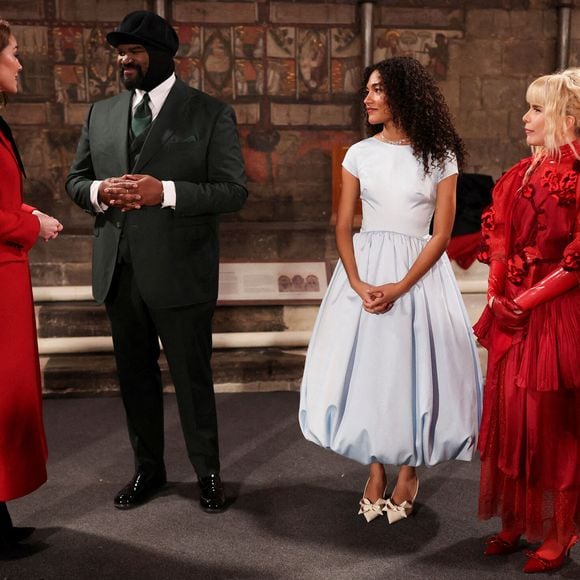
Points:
[185,333]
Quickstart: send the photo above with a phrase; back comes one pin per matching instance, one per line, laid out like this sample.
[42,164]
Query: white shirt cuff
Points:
[169,194]
[97,205]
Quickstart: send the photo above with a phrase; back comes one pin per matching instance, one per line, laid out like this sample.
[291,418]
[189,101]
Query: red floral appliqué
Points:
[488,219]
[551,180]
[528,191]
[571,261]
[561,187]
[565,197]
[569,180]
[483,255]
[517,269]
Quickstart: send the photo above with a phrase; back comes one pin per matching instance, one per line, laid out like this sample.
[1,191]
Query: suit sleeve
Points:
[225,191]
[82,174]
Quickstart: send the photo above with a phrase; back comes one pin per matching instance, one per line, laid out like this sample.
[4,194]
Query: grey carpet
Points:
[292,515]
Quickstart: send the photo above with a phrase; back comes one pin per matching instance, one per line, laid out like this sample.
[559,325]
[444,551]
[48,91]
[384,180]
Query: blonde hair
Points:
[559,95]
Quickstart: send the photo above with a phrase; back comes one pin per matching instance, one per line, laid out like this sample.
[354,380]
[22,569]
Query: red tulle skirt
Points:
[530,432]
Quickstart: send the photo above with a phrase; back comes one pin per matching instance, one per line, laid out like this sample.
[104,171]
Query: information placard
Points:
[272,282]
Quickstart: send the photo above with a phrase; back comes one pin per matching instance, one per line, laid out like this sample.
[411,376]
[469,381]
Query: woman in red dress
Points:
[22,441]
[530,433]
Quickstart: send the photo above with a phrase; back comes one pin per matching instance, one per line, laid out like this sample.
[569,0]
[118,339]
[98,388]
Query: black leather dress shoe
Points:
[212,496]
[140,489]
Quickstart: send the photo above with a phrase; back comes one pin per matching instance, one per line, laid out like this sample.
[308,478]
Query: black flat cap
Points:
[146,28]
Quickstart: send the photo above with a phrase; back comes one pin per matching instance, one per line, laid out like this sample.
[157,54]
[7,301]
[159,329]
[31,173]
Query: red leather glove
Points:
[496,279]
[554,284]
[508,314]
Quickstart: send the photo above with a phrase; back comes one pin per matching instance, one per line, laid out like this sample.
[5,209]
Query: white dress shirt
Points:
[157,97]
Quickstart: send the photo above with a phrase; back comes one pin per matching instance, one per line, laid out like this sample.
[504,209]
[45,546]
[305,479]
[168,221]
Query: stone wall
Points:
[291,69]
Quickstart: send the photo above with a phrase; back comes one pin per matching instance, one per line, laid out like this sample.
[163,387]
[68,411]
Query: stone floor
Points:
[292,513]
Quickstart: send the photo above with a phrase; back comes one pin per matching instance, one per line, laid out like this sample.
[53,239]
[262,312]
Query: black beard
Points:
[132,83]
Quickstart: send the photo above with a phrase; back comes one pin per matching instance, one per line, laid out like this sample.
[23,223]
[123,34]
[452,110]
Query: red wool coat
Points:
[23,450]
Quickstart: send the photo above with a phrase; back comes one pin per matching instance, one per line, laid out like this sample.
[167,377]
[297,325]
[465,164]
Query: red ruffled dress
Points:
[530,433]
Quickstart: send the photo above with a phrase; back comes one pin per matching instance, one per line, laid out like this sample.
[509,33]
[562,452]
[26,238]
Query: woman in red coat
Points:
[22,441]
[530,432]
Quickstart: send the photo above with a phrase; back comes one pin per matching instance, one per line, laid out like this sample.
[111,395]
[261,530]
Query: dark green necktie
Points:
[141,117]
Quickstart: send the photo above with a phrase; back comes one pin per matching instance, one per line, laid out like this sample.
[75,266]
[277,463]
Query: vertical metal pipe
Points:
[367,28]
[160,7]
[564,26]
[366,19]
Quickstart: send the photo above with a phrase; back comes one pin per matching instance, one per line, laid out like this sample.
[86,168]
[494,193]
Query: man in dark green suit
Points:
[156,165]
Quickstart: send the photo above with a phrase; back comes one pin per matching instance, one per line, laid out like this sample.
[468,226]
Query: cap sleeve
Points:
[350,161]
[449,168]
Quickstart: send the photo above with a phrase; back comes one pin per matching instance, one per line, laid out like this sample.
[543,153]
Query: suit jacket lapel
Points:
[170,118]
[119,124]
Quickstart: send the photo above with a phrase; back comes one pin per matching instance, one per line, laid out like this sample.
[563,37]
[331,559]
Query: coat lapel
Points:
[119,123]
[5,128]
[172,116]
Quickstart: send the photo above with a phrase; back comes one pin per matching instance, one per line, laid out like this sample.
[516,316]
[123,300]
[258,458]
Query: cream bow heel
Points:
[398,512]
[369,510]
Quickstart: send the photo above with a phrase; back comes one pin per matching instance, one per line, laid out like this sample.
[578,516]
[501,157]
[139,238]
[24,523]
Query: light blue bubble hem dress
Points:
[402,387]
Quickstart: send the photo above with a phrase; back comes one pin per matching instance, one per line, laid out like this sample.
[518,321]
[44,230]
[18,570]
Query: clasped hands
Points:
[131,191]
[378,299]
[508,314]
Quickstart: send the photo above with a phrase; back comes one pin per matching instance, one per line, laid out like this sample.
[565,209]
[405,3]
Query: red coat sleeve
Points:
[18,227]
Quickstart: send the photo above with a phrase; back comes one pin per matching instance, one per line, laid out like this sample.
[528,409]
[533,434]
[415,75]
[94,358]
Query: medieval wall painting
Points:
[230,62]
[102,67]
[313,58]
[225,62]
[218,62]
[345,51]
[249,77]
[281,69]
[189,41]
[35,77]
[70,83]
[68,44]
[189,71]
[86,68]
[248,67]
[430,47]
[249,41]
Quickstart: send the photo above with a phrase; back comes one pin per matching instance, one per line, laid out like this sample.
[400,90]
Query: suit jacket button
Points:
[118,224]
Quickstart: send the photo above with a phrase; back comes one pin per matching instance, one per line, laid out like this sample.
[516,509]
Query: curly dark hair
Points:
[419,109]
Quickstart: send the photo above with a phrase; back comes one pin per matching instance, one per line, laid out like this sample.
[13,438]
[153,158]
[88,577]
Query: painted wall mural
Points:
[35,78]
[74,64]
[429,47]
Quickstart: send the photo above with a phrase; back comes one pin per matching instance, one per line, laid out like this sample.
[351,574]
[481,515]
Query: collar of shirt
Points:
[157,96]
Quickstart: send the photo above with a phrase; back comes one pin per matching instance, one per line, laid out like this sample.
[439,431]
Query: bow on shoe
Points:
[369,510]
[397,512]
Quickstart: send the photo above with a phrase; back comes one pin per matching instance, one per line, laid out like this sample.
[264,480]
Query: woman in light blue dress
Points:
[392,374]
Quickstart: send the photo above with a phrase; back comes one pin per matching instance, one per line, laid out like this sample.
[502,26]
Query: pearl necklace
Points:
[404,141]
